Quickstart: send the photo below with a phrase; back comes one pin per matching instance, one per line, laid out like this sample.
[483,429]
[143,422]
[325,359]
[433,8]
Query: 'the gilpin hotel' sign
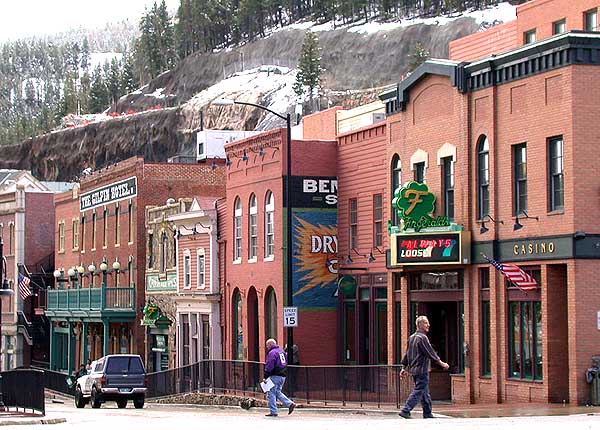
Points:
[108,194]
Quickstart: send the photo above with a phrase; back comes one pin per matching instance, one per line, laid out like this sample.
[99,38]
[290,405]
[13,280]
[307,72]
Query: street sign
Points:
[290,316]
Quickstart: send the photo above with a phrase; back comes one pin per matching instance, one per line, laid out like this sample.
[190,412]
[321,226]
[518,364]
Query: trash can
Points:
[594,387]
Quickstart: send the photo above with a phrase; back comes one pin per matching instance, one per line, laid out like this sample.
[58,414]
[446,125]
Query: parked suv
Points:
[113,377]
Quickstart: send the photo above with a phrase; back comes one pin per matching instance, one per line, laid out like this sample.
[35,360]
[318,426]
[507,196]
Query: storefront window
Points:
[349,332]
[486,350]
[238,335]
[525,330]
[271,316]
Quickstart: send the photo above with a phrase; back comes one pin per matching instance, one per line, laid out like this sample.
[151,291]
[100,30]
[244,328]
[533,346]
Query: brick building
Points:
[254,228]
[97,305]
[468,129]
[27,233]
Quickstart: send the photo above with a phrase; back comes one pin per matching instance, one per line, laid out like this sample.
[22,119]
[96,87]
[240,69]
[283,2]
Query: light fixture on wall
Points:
[483,229]
[523,215]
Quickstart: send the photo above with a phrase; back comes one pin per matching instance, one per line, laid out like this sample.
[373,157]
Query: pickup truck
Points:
[119,378]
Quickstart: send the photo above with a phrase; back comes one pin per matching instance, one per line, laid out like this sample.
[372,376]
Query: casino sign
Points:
[432,240]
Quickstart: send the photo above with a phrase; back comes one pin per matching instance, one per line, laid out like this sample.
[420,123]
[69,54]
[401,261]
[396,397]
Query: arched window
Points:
[269,225]
[237,230]
[271,314]
[396,182]
[252,228]
[483,177]
[238,335]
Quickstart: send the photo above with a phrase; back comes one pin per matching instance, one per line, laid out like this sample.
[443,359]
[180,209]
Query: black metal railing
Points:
[59,382]
[24,389]
[328,385]
[357,385]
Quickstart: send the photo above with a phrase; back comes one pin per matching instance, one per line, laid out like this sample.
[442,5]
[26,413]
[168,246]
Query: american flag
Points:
[514,274]
[24,289]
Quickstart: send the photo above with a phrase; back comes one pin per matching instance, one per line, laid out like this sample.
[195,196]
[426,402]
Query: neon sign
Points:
[428,248]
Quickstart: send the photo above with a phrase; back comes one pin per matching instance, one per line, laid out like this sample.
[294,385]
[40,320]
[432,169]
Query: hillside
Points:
[358,62]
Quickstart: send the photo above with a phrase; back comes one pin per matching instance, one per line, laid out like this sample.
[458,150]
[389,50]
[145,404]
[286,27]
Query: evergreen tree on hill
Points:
[309,75]
[99,98]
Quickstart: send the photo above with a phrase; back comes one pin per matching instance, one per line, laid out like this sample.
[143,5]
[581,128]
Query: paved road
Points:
[109,417]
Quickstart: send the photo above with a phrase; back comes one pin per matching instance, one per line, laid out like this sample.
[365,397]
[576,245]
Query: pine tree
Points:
[129,81]
[310,71]
[98,92]
[113,81]
[419,55]
[85,56]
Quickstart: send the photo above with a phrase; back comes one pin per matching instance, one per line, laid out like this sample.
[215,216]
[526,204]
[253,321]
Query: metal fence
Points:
[328,385]
[24,389]
[373,385]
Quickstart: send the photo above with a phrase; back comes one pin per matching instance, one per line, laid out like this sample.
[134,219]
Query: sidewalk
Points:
[12,418]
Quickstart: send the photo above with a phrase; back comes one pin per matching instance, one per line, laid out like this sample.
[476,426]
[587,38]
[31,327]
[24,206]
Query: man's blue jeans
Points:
[275,394]
[419,393]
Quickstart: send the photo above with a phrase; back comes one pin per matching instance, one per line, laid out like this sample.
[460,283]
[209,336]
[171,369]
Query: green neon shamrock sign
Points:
[415,204]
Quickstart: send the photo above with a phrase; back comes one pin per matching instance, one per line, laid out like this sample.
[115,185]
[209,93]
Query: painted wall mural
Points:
[315,257]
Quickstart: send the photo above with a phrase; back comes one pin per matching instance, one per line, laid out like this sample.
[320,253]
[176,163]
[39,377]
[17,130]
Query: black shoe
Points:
[429,416]
[405,415]
[270,415]
[291,408]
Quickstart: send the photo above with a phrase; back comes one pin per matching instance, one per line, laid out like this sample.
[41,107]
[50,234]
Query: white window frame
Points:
[237,231]
[61,237]
[270,227]
[187,269]
[253,229]
[201,269]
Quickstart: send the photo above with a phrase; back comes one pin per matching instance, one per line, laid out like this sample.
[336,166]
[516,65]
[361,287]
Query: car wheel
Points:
[95,398]
[122,404]
[79,400]
[138,403]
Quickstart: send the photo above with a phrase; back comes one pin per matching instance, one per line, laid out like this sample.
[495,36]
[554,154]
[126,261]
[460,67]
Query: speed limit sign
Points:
[290,316]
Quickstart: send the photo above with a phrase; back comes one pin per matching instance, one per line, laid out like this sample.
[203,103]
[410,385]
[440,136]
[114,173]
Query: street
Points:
[180,417]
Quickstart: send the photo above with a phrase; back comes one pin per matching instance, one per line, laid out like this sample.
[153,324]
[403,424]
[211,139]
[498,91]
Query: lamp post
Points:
[288,194]
[4,291]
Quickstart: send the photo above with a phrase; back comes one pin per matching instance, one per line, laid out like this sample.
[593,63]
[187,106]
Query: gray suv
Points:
[119,377]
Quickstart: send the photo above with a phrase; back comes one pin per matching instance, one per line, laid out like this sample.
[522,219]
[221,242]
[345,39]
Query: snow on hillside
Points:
[273,84]
[99,58]
[501,13]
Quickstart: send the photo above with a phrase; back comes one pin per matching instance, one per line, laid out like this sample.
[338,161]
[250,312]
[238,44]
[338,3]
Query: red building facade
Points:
[255,269]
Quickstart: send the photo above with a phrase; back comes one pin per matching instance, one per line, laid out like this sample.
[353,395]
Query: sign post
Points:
[290,316]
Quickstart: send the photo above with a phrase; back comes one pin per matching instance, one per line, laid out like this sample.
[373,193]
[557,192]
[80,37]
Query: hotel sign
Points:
[108,194]
[430,248]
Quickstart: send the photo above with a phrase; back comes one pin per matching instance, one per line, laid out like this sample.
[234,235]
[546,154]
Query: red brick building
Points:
[97,306]
[469,130]
[254,227]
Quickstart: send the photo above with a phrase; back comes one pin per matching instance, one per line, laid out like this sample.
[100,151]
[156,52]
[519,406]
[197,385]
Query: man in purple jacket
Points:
[276,369]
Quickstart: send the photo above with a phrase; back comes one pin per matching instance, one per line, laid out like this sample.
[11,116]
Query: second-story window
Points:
[130,221]
[253,228]
[483,177]
[269,225]
[164,252]
[94,219]
[61,236]
[353,222]
[420,172]
[11,239]
[377,220]
[559,26]
[187,270]
[117,225]
[529,36]
[83,233]
[75,234]
[104,229]
[556,180]
[591,20]
[237,230]
[396,182]
[150,250]
[520,173]
[201,268]
[448,165]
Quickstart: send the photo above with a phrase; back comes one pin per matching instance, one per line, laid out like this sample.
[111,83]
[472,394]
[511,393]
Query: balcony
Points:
[94,302]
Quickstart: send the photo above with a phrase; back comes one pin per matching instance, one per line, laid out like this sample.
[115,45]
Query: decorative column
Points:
[106,337]
[71,346]
[84,337]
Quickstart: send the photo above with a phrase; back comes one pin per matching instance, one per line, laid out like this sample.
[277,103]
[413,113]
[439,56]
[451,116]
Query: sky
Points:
[23,18]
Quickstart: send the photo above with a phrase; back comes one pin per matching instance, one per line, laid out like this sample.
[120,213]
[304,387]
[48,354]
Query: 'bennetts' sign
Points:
[108,194]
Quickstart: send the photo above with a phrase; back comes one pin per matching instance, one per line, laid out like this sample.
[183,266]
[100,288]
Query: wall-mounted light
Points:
[245,156]
[349,258]
[483,229]
[371,258]
[523,215]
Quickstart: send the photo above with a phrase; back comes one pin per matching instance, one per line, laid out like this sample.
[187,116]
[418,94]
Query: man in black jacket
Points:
[417,362]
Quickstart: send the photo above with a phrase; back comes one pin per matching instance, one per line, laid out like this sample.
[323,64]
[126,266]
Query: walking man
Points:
[276,370]
[417,362]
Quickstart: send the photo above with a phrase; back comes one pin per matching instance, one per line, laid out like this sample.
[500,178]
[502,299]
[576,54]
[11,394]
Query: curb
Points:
[33,422]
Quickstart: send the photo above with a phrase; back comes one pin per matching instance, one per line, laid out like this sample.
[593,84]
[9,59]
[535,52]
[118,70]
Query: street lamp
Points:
[288,194]
[4,291]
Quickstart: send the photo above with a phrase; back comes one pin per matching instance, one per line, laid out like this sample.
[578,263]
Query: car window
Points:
[98,367]
[124,365]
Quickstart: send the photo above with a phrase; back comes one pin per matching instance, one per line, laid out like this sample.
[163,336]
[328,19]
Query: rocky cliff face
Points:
[353,61]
